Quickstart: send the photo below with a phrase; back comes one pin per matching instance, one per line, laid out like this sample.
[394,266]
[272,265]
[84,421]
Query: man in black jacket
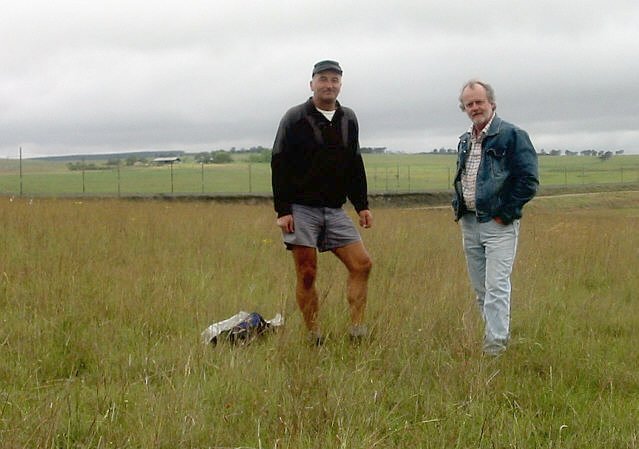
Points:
[316,166]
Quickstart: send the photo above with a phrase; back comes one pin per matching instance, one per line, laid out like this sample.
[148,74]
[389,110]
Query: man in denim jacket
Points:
[496,175]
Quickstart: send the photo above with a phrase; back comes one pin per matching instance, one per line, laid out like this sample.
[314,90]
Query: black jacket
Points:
[317,162]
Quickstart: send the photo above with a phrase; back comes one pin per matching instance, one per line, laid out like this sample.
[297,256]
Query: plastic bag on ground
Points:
[241,327]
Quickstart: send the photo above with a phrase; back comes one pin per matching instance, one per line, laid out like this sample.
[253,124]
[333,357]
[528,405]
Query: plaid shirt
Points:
[469,175]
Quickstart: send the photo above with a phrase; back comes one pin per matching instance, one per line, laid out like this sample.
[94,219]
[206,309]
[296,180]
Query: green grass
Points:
[386,173]
[102,304]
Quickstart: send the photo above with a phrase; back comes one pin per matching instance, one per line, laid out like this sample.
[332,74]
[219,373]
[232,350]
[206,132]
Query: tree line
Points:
[601,154]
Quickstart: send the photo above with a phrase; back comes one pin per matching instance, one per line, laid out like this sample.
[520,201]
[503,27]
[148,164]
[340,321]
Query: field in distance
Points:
[386,173]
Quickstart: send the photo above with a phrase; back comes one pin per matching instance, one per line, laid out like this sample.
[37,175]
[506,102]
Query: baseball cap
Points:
[327,65]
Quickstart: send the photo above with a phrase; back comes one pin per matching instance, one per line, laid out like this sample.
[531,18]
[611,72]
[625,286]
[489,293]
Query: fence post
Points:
[20,171]
[202,164]
[386,179]
[171,165]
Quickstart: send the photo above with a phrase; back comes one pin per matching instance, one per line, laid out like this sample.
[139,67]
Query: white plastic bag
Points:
[211,333]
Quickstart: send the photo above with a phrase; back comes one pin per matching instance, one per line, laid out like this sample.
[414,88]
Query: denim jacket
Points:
[507,177]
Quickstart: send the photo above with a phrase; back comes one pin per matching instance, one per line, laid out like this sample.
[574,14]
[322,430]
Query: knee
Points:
[307,276]
[364,267]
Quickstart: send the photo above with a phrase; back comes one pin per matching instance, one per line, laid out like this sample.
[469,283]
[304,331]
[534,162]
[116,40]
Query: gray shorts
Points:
[324,228]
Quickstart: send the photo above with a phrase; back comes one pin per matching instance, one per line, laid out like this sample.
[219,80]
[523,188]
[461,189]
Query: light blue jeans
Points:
[490,250]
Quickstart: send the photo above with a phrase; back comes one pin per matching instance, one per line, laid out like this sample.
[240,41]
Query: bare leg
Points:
[359,264]
[306,268]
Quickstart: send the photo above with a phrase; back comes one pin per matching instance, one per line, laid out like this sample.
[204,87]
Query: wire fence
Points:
[247,178]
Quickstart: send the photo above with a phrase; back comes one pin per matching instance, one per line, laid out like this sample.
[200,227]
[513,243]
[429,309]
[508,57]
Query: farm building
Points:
[166,160]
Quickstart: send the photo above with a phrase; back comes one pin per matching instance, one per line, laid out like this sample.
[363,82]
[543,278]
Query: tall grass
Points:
[102,303]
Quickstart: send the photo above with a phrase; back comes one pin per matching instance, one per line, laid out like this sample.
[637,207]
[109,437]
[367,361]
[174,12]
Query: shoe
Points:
[315,338]
[494,351]
[358,332]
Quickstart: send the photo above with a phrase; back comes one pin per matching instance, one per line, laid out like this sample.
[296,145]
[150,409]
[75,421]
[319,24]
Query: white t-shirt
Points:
[328,114]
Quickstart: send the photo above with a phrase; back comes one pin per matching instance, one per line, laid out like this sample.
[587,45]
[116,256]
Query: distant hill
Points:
[149,154]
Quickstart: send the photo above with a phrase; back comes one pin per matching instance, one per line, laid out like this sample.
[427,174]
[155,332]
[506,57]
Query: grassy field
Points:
[386,173]
[103,301]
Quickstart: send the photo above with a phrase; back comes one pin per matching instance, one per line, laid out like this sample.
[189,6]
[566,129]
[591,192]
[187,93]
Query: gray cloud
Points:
[118,76]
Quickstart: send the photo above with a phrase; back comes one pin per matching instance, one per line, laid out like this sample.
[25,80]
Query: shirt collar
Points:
[485,130]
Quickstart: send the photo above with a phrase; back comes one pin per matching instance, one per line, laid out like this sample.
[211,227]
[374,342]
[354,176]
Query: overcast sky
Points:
[112,76]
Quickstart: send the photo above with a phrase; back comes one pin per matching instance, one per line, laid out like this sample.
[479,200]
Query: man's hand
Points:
[365,218]
[285,223]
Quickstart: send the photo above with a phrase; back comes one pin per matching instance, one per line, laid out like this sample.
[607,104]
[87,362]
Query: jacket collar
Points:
[495,126]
